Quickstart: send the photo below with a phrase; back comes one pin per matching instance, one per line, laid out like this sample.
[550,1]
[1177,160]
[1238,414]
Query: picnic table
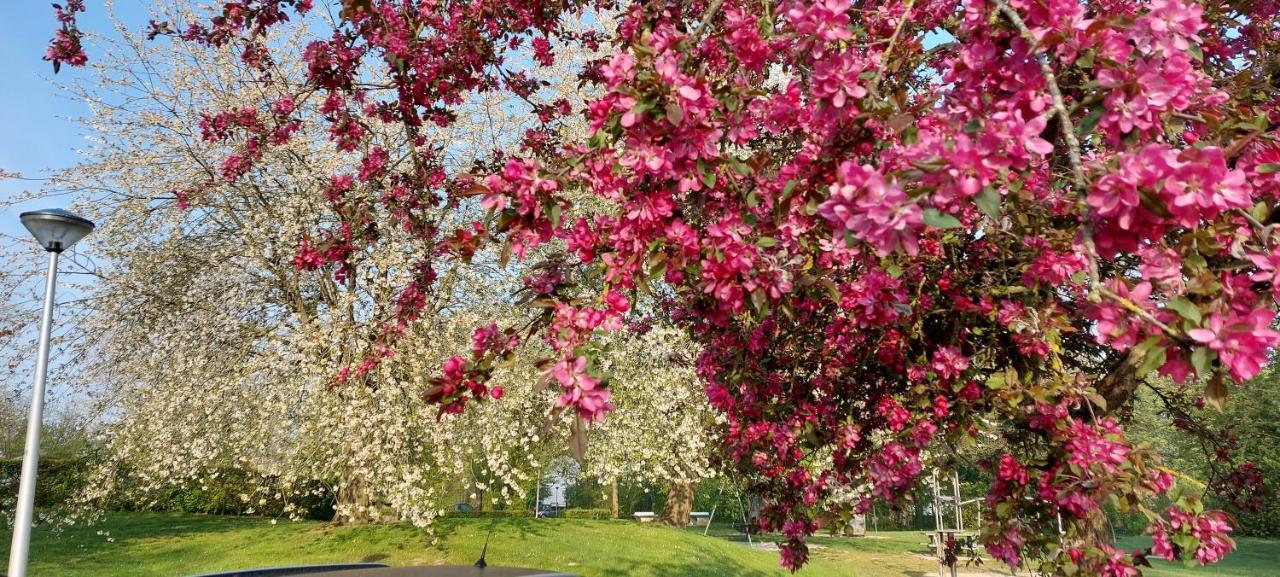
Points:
[967,540]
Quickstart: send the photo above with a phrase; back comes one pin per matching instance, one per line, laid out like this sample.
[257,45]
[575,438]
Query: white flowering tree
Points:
[210,351]
[662,427]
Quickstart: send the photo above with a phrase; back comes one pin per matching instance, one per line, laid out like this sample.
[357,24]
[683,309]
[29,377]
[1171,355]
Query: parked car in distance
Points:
[545,510]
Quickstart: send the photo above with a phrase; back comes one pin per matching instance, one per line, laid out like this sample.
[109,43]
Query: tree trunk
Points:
[353,506]
[1095,530]
[679,504]
[613,500]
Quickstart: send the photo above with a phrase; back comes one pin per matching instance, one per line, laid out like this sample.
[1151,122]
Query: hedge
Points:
[59,479]
[594,514]
[503,514]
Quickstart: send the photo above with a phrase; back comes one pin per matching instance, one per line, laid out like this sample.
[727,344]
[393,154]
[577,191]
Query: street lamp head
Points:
[56,229]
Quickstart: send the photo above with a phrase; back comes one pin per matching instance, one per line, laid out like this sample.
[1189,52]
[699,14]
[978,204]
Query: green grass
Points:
[164,544]
[1252,558]
[173,545]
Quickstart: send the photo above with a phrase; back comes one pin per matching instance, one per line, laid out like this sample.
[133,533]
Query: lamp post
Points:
[56,230]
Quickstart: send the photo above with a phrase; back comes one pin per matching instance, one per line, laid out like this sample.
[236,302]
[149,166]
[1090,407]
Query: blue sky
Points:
[37,132]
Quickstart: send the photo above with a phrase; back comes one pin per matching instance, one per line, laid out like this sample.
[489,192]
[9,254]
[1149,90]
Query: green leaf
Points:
[708,175]
[1098,401]
[937,219]
[1196,52]
[1186,542]
[766,242]
[848,238]
[1200,360]
[556,213]
[1090,121]
[1262,210]
[988,201]
[1269,168]
[1185,308]
[1215,393]
[1151,361]
[1085,60]
[1146,345]
[973,126]
[910,135]
[675,114]
[788,189]
[752,201]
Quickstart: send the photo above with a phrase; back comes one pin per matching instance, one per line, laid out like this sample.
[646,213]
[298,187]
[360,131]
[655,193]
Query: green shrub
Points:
[505,514]
[595,514]
[59,479]
[221,496]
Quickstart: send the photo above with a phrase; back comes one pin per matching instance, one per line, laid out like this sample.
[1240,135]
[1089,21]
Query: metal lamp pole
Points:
[56,230]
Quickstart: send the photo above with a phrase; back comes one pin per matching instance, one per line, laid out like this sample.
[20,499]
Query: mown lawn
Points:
[1252,558]
[174,545]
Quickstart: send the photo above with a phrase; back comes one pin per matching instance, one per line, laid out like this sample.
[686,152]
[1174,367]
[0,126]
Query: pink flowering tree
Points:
[890,225]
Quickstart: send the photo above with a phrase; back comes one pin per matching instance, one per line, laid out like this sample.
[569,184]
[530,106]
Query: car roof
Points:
[447,571]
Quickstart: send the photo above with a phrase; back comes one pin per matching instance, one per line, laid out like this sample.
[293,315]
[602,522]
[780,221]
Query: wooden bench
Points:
[644,516]
[699,518]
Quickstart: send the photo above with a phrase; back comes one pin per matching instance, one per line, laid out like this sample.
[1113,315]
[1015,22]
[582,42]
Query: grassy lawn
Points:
[1252,558]
[173,545]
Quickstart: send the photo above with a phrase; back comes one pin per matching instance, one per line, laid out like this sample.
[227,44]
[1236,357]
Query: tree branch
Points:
[1068,130]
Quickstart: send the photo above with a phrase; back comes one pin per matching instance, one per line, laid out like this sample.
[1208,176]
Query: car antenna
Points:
[480,562]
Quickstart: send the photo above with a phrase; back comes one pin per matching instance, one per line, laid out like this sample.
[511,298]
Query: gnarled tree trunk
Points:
[679,504]
[354,504]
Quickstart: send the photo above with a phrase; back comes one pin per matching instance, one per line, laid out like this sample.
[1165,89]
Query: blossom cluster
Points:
[66,46]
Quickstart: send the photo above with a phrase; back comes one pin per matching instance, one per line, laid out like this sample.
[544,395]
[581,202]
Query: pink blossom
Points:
[1100,446]
[1241,341]
[581,391]
[836,78]
[872,210]
[949,363]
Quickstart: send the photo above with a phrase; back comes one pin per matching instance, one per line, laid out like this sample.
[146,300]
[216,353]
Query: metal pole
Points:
[746,524]
[939,543]
[714,506]
[31,457]
[955,484]
[537,496]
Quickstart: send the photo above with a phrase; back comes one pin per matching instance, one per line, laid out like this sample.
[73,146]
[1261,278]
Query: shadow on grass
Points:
[477,530]
[705,564]
[125,525]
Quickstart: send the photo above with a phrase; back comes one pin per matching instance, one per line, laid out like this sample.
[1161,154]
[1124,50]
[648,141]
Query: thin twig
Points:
[1135,309]
[1068,130]
[884,56]
[712,9]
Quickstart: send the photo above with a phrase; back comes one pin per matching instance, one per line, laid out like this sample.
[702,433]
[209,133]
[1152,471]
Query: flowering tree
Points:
[662,429]
[890,225]
[205,350]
